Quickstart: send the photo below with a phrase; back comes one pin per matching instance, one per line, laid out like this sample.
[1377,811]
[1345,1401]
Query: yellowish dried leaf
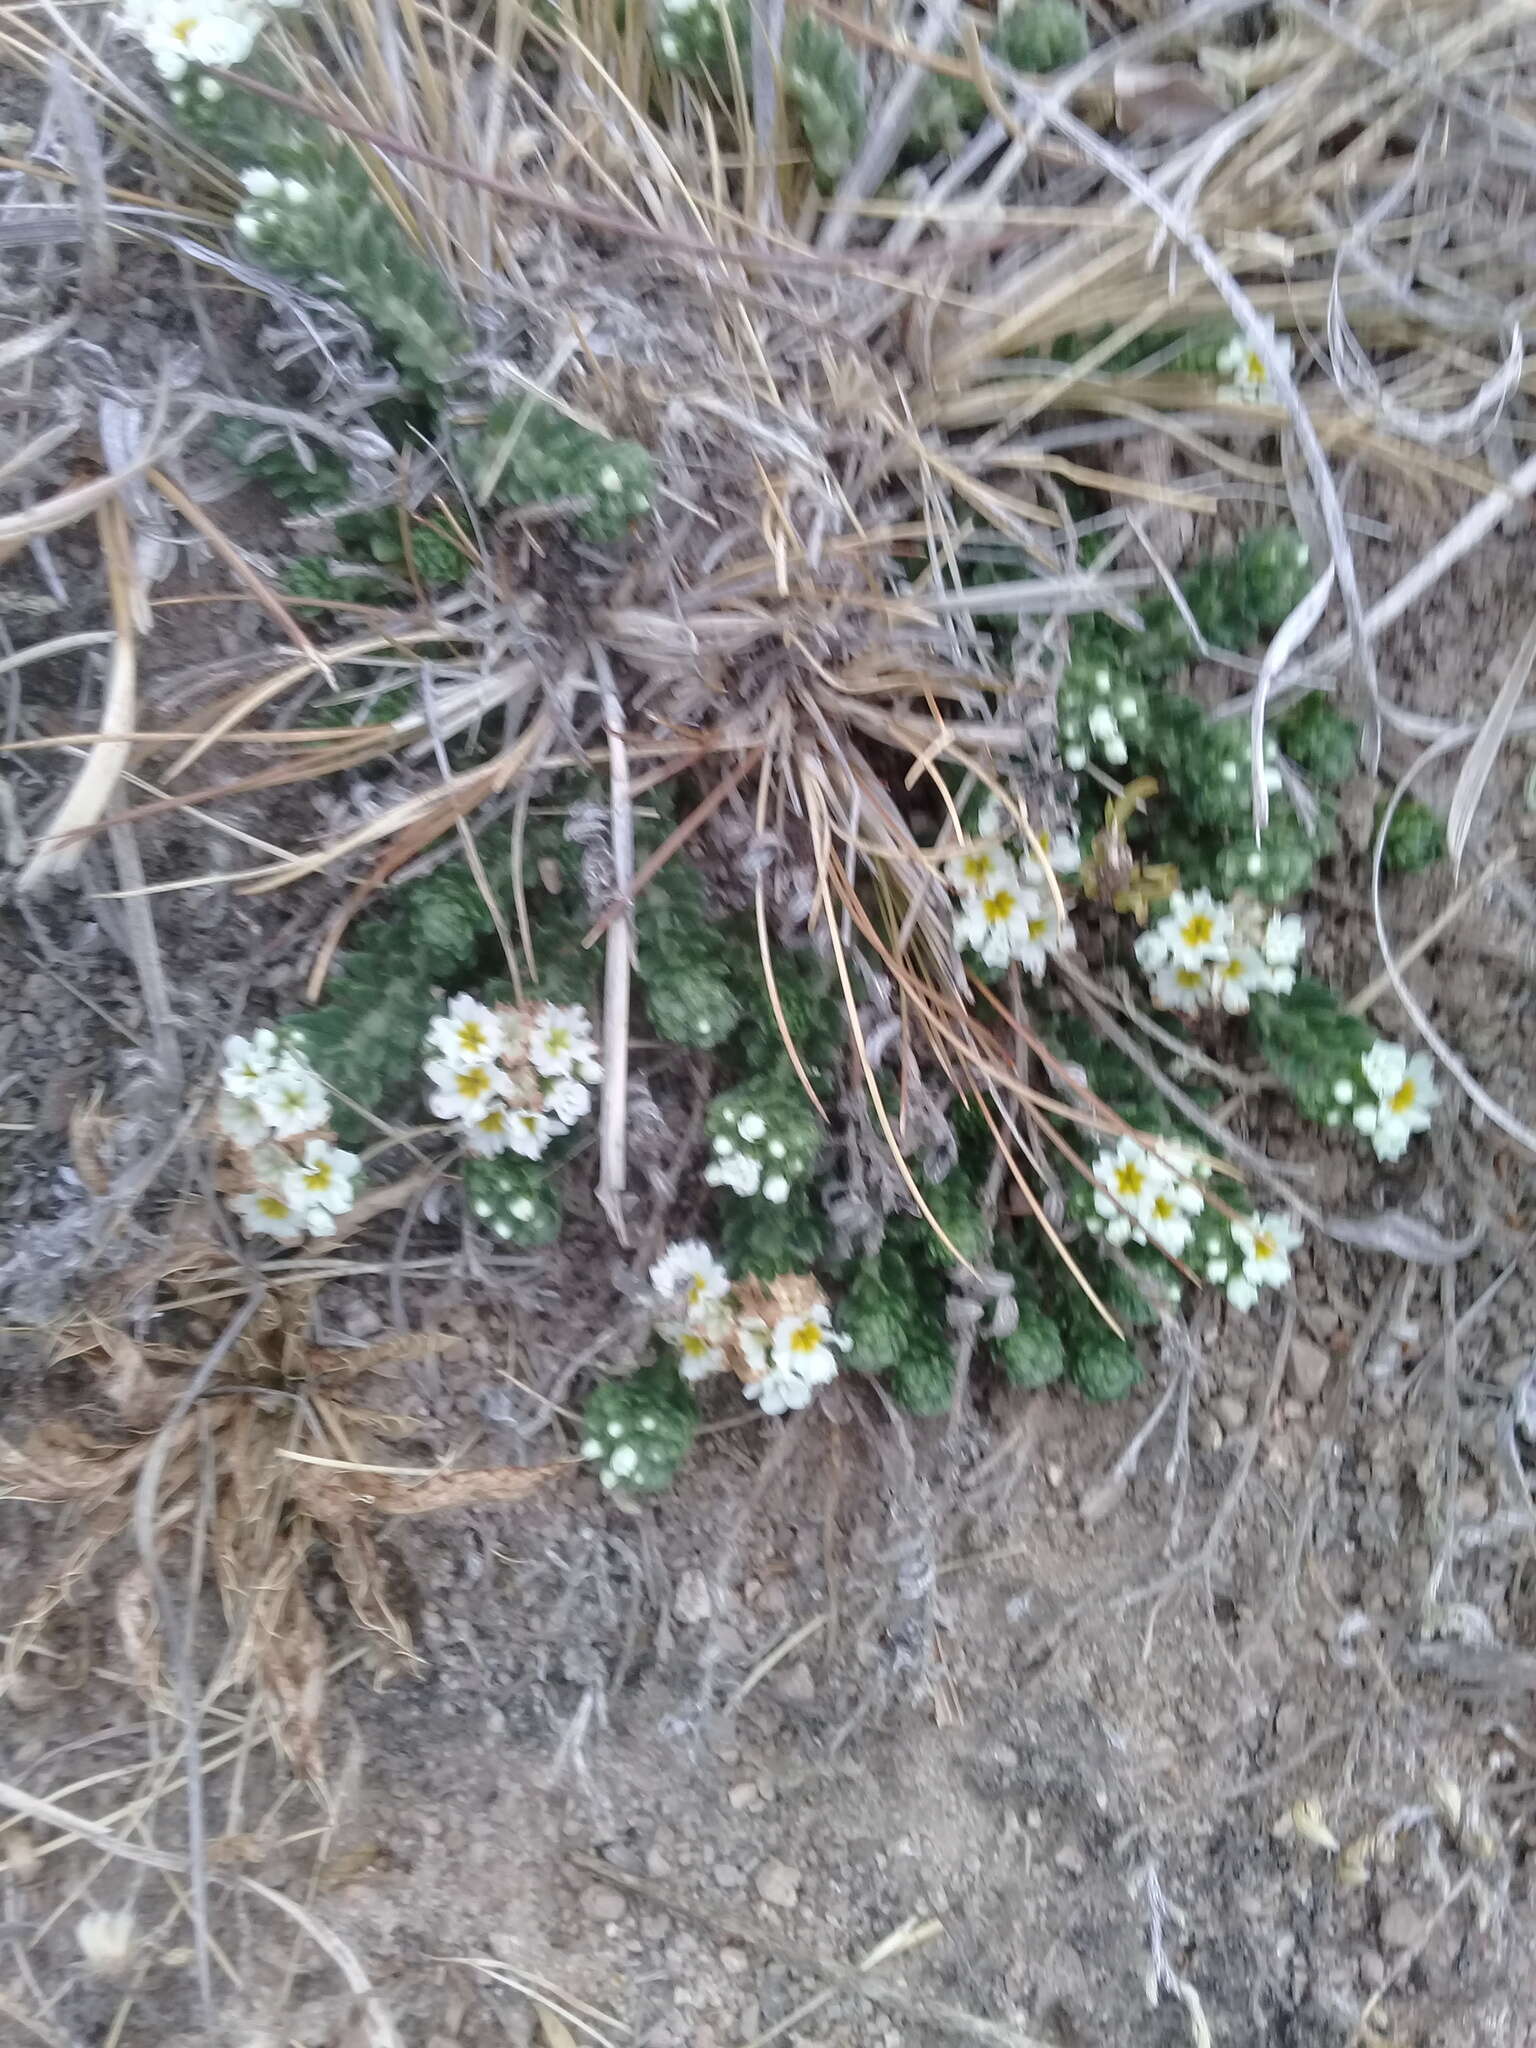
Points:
[554,2030]
[1306,1817]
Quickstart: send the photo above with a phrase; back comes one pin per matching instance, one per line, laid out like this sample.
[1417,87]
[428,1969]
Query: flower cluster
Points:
[513,1078]
[268,194]
[276,1115]
[177,33]
[1100,716]
[1405,1095]
[1008,907]
[1150,1193]
[764,1137]
[1204,954]
[777,1339]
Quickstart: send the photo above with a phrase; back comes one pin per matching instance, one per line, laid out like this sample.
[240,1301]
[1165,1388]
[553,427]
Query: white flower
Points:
[741,1173]
[567,1100]
[1266,1243]
[468,1035]
[1186,989]
[177,33]
[997,926]
[1241,1292]
[1129,1179]
[1238,978]
[806,1343]
[1060,849]
[261,184]
[776,1188]
[752,1127]
[1045,936]
[489,1133]
[560,1042]
[1406,1093]
[268,1211]
[322,1180]
[980,870]
[690,1279]
[1285,939]
[792,1362]
[1243,367]
[1169,1224]
[248,1061]
[463,1091]
[1196,928]
[700,1353]
[241,1120]
[292,1098]
[529,1132]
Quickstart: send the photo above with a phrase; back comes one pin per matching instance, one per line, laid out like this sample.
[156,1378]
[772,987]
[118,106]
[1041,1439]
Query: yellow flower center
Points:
[181,30]
[1038,927]
[1234,970]
[494,1122]
[472,1036]
[999,908]
[1255,364]
[805,1339]
[1405,1097]
[558,1040]
[273,1206]
[1264,1247]
[1163,1207]
[472,1083]
[1189,977]
[318,1178]
[695,1290]
[1129,1179]
[693,1345]
[976,867]
[1198,930]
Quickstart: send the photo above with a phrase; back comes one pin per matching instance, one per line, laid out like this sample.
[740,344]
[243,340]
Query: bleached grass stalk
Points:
[89,797]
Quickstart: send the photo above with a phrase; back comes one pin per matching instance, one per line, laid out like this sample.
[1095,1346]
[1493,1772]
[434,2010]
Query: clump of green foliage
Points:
[527,453]
[640,1429]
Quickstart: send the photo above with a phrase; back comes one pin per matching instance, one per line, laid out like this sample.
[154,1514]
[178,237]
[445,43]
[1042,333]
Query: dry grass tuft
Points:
[263,1465]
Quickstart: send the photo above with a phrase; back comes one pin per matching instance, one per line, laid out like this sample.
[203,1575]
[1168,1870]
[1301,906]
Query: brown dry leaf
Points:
[122,1369]
[341,1496]
[355,1560]
[138,1629]
[337,1871]
[292,1671]
[90,1138]
[61,1461]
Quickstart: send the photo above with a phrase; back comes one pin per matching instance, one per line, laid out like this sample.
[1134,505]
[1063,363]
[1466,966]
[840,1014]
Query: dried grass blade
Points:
[87,801]
[1484,751]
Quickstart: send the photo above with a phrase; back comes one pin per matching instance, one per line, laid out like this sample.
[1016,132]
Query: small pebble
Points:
[777,1884]
[691,1602]
[602,1903]
[1402,1925]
